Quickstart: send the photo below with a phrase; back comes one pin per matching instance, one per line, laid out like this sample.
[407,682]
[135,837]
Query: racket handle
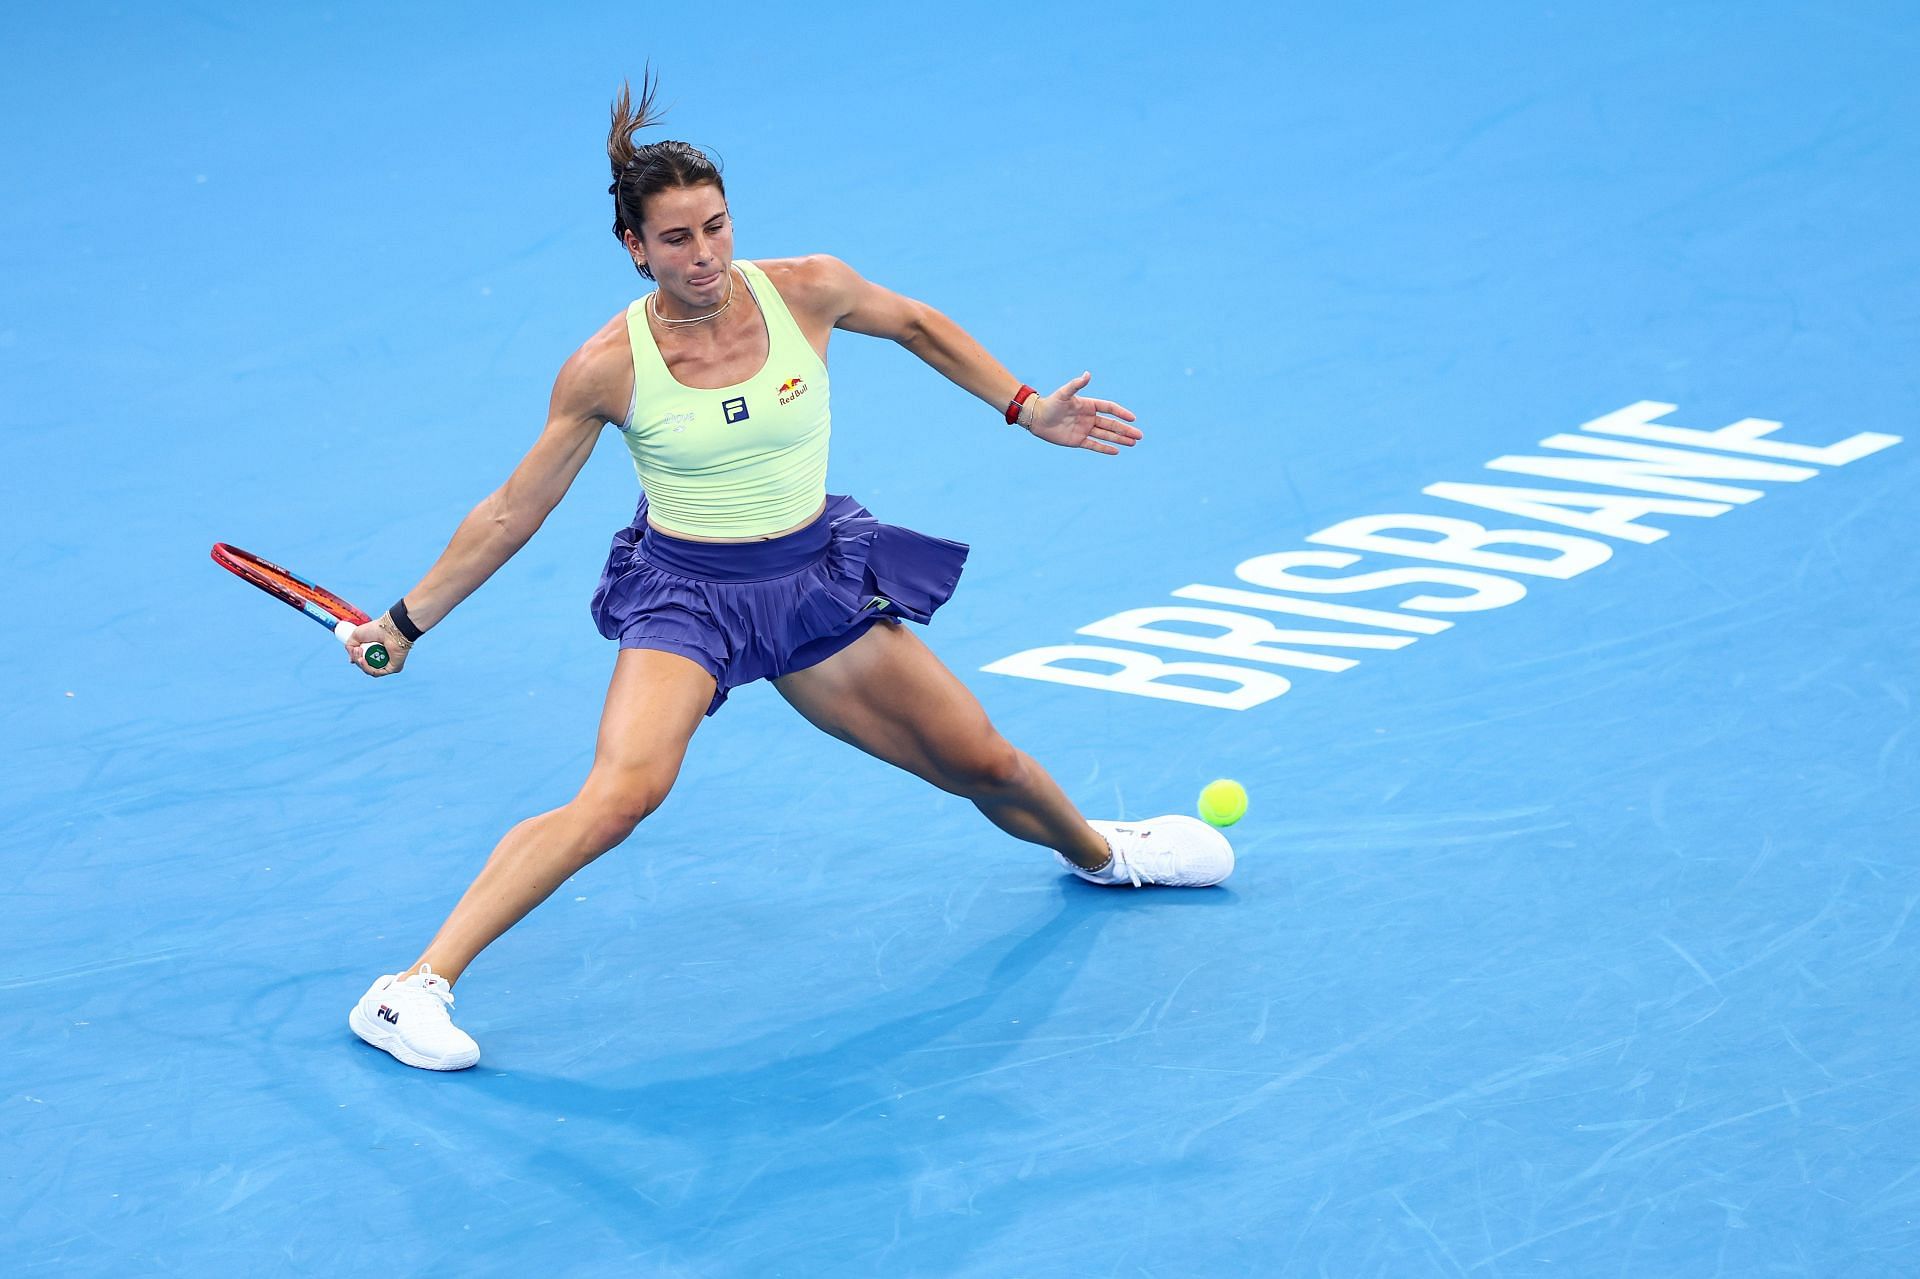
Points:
[375,654]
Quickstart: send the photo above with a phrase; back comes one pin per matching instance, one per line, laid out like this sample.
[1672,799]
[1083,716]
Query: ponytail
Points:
[627,121]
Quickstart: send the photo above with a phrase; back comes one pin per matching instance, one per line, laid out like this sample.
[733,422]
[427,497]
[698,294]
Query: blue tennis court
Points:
[1524,516]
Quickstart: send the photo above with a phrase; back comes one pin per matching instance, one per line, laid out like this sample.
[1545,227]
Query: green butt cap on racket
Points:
[374,654]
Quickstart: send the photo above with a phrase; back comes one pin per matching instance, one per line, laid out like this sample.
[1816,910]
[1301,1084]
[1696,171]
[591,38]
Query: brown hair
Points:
[639,171]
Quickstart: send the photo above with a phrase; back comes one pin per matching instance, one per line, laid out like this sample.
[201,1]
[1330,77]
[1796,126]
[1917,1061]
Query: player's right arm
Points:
[591,390]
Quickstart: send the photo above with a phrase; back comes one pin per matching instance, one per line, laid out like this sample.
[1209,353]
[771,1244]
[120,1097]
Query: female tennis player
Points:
[739,566]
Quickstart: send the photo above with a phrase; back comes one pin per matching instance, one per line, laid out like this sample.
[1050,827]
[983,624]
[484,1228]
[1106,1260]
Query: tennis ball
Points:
[1223,802]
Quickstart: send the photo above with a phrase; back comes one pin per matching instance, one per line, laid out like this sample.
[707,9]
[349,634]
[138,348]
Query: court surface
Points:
[1576,938]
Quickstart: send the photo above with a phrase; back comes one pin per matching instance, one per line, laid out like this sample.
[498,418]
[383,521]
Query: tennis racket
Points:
[322,605]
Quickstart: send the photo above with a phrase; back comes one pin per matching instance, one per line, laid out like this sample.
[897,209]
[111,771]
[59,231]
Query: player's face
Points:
[687,241]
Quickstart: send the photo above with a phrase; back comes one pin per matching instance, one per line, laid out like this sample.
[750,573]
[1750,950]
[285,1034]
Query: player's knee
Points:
[610,807]
[992,766]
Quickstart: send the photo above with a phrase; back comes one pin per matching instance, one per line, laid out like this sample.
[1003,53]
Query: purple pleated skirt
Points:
[759,610]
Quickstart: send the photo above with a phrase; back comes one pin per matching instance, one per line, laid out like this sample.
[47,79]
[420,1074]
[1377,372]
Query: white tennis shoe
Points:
[412,1019]
[1179,852]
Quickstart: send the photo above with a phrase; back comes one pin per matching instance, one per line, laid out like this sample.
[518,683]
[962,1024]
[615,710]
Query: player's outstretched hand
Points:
[382,631]
[1073,421]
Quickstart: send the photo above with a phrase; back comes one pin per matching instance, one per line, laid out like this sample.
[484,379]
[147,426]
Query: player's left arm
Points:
[836,293]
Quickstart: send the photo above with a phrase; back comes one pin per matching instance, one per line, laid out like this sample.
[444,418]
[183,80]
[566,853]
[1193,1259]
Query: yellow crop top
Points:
[744,460]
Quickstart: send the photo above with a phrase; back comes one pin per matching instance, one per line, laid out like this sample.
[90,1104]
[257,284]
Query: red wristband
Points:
[1019,401]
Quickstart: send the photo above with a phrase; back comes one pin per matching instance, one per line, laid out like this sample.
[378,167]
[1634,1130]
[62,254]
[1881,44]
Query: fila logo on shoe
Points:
[389,1016]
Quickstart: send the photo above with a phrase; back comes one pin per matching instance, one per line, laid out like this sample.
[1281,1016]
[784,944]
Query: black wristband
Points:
[401,622]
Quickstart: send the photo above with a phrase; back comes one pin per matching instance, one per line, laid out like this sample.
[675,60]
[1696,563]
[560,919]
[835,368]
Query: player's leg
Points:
[887,694]
[653,706]
[654,703]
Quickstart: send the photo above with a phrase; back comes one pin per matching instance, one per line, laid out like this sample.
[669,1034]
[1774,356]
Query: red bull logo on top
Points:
[792,389]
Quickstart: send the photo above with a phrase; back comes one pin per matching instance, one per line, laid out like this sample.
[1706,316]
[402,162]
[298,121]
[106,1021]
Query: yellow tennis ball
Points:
[1223,802]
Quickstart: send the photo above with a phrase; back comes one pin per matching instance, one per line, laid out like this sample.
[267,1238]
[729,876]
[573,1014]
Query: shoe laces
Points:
[1122,865]
[432,983]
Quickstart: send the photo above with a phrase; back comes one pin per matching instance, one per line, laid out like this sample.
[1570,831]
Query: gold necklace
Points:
[654,311]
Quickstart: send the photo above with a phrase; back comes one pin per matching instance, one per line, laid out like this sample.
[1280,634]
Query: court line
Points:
[88,970]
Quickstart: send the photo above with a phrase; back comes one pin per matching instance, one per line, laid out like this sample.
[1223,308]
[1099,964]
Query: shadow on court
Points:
[722,1165]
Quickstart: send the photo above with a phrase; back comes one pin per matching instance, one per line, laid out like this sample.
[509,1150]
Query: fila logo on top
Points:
[735,409]
[792,389]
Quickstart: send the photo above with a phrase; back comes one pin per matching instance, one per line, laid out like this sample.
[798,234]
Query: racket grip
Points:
[375,654]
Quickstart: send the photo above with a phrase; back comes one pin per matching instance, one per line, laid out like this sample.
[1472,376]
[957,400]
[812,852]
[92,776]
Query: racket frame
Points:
[312,600]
